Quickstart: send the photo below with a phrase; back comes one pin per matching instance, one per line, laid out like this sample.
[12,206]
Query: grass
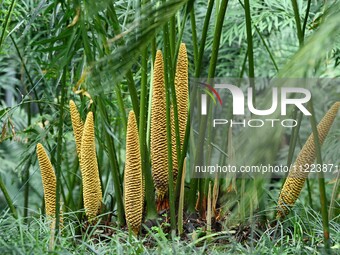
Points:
[300,234]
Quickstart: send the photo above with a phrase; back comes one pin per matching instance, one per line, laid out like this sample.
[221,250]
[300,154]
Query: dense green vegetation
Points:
[101,55]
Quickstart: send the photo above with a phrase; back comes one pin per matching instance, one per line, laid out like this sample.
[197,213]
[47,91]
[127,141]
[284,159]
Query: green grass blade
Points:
[8,199]
[5,24]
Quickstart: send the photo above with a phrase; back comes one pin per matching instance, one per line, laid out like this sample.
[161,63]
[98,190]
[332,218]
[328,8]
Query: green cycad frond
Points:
[136,38]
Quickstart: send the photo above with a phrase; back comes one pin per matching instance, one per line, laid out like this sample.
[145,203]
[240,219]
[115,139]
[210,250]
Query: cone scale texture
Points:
[77,125]
[158,138]
[182,99]
[48,179]
[92,193]
[133,177]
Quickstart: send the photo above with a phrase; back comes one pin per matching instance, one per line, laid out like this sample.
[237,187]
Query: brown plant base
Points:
[201,206]
[162,204]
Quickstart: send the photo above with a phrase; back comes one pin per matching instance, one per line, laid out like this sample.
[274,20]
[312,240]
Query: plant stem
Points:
[203,121]
[8,199]
[322,189]
[168,81]
[333,204]
[250,47]
[267,48]
[129,75]
[114,163]
[133,94]
[172,36]
[181,201]
[121,105]
[7,20]
[27,189]
[29,79]
[73,182]
[298,22]
[294,136]
[217,38]
[306,18]
[149,186]
[183,155]
[309,194]
[194,34]
[198,64]
[59,147]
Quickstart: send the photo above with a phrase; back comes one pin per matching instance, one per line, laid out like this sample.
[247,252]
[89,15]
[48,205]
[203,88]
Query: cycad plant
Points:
[139,55]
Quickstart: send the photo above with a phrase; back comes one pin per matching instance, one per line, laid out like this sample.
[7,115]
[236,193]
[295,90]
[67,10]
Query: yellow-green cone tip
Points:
[77,125]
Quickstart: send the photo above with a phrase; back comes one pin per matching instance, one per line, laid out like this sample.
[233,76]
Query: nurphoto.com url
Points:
[267,168]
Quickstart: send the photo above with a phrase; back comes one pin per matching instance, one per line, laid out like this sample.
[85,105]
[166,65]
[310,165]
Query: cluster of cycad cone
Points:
[133,177]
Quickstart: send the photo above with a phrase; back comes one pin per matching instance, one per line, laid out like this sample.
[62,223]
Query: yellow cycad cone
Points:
[92,193]
[133,177]
[296,178]
[77,125]
[182,98]
[158,143]
[48,179]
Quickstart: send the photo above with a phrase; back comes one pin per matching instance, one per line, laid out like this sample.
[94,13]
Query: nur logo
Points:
[239,99]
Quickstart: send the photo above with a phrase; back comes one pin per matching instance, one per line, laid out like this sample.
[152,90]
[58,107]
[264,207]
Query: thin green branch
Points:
[121,105]
[217,38]
[8,199]
[264,43]
[322,189]
[117,183]
[59,147]
[149,186]
[133,94]
[294,135]
[251,67]
[267,49]
[306,18]
[194,34]
[211,73]
[5,24]
[298,22]
[198,64]
[168,81]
